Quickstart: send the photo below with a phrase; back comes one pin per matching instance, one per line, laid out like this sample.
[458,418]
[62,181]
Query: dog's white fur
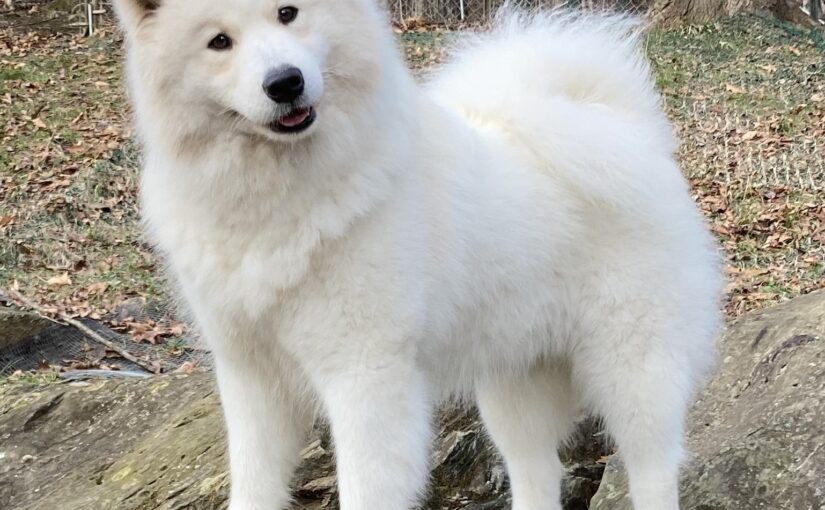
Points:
[518,232]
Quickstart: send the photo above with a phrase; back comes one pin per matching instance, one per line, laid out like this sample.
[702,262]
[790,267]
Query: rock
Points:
[158,443]
[16,325]
[152,443]
[756,434]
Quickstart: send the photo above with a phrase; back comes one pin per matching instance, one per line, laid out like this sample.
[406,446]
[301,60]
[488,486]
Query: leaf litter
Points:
[747,97]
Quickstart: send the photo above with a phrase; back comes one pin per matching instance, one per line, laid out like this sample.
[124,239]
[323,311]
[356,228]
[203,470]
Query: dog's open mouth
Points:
[295,121]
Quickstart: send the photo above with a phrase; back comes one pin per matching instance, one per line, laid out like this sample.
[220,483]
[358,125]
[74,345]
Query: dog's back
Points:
[521,232]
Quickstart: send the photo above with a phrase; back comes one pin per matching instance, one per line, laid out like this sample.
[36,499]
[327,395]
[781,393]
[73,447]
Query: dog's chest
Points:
[227,258]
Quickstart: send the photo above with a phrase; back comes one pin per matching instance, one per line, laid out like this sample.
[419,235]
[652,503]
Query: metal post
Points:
[90,17]
[461,5]
[813,9]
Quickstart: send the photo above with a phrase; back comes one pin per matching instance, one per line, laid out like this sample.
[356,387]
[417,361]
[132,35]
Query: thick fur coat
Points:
[515,232]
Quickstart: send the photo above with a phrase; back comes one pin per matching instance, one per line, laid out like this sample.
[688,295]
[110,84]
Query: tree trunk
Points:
[670,12]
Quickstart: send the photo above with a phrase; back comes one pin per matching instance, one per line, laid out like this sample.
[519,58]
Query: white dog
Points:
[353,245]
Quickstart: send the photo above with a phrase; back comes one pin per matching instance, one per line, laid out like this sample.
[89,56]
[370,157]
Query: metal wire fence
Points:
[456,12]
[85,14]
[66,346]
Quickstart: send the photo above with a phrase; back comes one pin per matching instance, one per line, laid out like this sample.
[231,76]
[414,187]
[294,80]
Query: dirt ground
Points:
[747,97]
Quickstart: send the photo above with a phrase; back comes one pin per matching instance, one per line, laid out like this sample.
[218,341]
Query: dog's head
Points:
[267,68]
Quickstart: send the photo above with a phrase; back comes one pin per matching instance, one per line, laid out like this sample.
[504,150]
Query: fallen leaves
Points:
[97,289]
[734,89]
[68,176]
[751,115]
[59,280]
[151,331]
[187,367]
[752,126]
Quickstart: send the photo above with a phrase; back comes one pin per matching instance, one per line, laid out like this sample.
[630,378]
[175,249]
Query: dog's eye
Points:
[220,42]
[286,15]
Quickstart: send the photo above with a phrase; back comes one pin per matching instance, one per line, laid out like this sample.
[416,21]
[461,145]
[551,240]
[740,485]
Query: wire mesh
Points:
[457,12]
[404,13]
[67,346]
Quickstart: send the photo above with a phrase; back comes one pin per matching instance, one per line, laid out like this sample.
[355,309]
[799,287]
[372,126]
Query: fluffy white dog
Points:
[350,244]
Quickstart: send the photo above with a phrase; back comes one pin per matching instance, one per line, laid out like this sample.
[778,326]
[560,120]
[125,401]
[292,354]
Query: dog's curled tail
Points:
[586,57]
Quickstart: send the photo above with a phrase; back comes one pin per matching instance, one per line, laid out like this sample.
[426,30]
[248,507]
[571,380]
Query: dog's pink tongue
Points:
[295,118]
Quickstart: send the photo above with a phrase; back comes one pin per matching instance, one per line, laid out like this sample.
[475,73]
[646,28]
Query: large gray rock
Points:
[757,435]
[158,443]
[111,444]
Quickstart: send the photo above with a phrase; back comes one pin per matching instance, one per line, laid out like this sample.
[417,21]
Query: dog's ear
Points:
[132,13]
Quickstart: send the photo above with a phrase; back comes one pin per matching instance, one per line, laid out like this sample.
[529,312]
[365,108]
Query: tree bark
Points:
[671,12]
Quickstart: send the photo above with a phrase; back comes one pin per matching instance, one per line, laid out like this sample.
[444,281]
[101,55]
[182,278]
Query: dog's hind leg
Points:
[528,416]
[641,388]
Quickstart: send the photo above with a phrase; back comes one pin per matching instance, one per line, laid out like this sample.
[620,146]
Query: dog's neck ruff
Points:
[274,205]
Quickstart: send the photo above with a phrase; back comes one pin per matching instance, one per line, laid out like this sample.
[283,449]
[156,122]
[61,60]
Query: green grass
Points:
[746,96]
[38,378]
[741,94]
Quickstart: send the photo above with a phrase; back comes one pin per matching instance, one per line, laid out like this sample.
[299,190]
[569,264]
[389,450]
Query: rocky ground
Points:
[757,433]
[756,438]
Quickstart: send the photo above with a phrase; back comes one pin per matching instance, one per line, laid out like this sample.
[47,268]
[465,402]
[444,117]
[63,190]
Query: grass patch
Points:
[747,97]
[34,378]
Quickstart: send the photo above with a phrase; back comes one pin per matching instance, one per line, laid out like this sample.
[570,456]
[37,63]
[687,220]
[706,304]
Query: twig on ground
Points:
[65,320]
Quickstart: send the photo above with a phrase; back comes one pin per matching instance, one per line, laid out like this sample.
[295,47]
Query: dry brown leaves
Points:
[747,98]
[68,218]
[150,331]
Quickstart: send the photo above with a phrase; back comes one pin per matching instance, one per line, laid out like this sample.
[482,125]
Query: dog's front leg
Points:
[267,423]
[380,419]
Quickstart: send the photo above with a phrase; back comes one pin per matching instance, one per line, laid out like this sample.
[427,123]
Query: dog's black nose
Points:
[284,85]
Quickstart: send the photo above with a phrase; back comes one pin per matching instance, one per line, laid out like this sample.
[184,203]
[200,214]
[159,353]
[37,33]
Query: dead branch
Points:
[65,320]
